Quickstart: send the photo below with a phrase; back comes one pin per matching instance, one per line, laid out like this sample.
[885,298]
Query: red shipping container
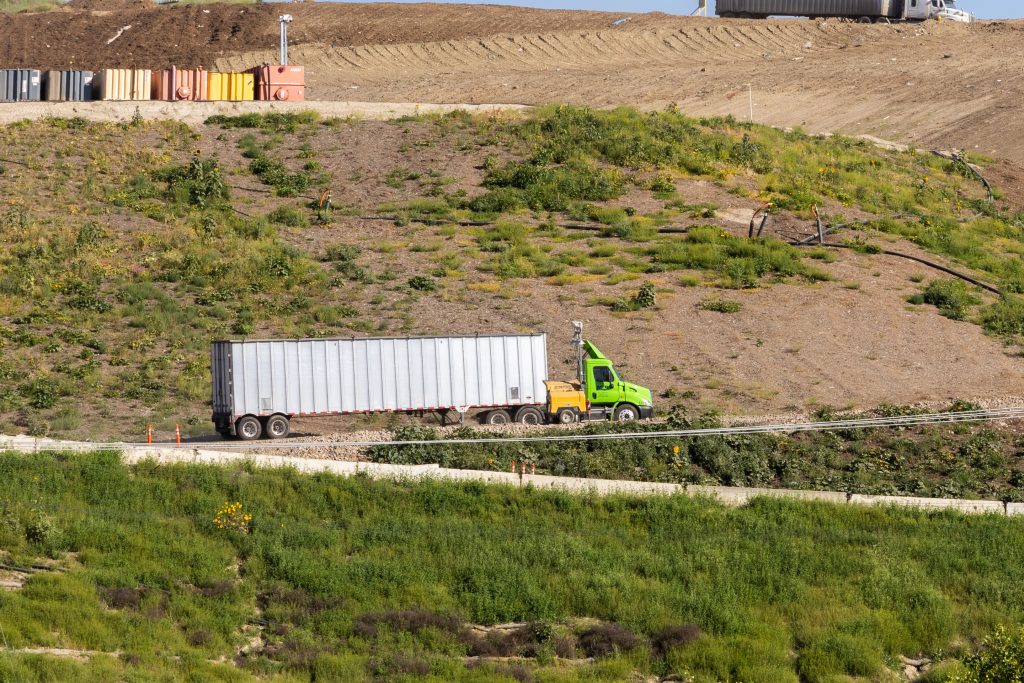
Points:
[281,83]
[179,84]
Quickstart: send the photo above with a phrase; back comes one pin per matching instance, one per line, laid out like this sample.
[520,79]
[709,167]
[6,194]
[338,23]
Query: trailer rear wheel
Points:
[248,428]
[865,20]
[277,427]
[497,417]
[528,415]
[627,412]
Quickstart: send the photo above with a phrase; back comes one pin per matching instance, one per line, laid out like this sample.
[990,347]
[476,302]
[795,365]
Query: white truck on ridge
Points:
[864,11]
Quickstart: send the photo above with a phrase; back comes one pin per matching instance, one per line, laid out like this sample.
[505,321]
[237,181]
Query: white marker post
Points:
[285,19]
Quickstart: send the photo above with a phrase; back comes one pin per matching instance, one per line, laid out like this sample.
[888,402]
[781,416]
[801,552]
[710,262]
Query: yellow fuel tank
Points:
[565,399]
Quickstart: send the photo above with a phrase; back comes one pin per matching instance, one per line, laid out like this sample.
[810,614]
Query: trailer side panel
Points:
[816,8]
[337,376]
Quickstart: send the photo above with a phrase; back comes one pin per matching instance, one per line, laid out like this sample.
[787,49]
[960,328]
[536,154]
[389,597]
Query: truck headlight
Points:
[647,403]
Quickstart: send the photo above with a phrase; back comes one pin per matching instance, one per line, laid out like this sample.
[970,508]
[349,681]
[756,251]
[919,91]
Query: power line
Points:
[742,430]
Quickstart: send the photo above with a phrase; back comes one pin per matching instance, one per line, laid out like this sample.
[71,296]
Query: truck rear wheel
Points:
[497,417]
[248,428]
[626,412]
[528,415]
[277,427]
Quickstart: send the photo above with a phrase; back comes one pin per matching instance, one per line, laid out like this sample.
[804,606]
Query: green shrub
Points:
[721,305]
[553,188]
[1000,660]
[1005,317]
[645,297]
[41,393]
[200,183]
[951,297]
[422,283]
[274,122]
[497,201]
[289,216]
[274,173]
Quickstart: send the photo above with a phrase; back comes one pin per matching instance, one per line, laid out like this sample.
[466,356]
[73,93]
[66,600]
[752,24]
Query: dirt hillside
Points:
[928,84]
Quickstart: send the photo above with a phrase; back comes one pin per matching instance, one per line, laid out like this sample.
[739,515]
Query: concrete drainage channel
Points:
[727,495]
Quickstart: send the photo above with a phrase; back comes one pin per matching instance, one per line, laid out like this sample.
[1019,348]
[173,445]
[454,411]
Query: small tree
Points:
[1000,660]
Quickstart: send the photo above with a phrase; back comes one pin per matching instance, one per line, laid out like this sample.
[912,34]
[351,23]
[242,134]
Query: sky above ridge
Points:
[983,9]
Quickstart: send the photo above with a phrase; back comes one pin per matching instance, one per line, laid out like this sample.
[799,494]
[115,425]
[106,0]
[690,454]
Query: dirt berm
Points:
[931,84]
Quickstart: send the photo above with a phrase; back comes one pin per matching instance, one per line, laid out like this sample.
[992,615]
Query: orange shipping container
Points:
[282,83]
[179,84]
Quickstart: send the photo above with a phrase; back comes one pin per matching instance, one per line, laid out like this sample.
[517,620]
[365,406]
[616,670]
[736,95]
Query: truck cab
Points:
[598,393]
[608,394]
[936,9]
[949,11]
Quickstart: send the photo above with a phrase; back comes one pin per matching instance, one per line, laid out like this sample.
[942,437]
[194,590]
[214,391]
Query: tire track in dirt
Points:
[929,84]
[539,50]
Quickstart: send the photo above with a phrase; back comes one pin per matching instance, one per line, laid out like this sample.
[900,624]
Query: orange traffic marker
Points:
[177,435]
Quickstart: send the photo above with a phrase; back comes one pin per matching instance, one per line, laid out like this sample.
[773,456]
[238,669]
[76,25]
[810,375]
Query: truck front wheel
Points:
[277,427]
[627,412]
[248,428]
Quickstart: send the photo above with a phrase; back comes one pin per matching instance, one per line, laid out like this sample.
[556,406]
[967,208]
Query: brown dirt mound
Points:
[928,84]
[195,35]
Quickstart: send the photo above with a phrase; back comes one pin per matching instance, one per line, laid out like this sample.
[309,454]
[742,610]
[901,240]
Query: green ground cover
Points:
[944,461]
[326,578]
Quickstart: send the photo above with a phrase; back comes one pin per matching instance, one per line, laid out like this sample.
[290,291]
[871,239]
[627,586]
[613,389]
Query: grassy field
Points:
[324,578]
[128,247]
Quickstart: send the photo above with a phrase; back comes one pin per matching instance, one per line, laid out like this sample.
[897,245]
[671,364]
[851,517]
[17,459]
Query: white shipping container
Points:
[411,374]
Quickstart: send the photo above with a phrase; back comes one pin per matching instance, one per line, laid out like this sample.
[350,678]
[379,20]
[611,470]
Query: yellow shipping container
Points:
[234,87]
[123,84]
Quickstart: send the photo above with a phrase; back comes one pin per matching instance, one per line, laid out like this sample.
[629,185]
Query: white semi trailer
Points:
[864,11]
[259,385]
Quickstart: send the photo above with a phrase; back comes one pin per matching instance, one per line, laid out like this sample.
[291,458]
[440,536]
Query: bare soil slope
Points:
[930,84]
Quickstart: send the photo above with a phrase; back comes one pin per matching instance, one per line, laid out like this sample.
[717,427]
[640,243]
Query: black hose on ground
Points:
[666,230]
[918,259]
[975,171]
